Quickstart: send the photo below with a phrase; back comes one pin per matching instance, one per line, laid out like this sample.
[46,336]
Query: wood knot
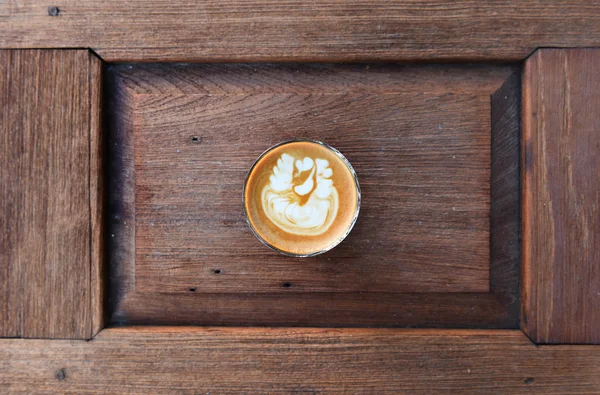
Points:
[61,374]
[53,11]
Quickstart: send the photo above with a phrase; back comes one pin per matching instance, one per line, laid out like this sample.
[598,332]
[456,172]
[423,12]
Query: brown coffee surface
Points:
[301,197]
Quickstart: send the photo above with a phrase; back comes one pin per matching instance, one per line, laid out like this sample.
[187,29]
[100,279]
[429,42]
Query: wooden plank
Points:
[10,277]
[98,272]
[332,30]
[561,196]
[46,134]
[288,360]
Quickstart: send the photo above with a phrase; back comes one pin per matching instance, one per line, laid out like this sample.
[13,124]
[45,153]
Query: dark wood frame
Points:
[297,360]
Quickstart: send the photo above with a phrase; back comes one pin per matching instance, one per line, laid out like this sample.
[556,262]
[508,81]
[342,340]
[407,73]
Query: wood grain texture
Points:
[172,231]
[45,193]
[422,227]
[332,30]
[423,165]
[561,196]
[307,78]
[10,269]
[97,192]
[120,196]
[505,215]
[313,361]
[425,310]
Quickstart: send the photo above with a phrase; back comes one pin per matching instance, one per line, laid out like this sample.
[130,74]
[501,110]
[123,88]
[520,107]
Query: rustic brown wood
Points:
[561,196]
[287,360]
[306,78]
[331,30]
[45,193]
[164,107]
[425,310]
[10,277]
[505,218]
[120,196]
[98,264]
[422,160]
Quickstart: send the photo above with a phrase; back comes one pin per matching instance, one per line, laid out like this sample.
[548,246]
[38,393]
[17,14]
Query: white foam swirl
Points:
[300,197]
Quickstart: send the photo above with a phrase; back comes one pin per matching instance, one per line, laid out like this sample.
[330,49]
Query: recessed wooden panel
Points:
[184,136]
[423,162]
[561,196]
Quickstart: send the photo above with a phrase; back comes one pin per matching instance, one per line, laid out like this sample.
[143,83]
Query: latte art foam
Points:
[300,197]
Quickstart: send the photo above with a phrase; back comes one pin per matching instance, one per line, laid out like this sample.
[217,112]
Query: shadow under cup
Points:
[301,198]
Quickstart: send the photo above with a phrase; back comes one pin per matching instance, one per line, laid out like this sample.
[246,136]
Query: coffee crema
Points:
[301,197]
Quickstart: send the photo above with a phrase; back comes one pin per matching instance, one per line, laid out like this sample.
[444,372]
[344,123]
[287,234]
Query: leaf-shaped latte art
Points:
[300,197]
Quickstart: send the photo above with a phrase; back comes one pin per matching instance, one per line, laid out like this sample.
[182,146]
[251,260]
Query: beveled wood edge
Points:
[525,203]
[135,308]
[97,255]
[505,183]
[264,83]
[119,178]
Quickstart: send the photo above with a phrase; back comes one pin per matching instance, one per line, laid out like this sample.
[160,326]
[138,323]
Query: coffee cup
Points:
[301,198]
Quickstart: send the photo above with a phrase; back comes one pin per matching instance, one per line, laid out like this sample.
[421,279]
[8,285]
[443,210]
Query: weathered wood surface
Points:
[287,360]
[457,310]
[561,196]
[185,135]
[97,198]
[10,276]
[332,30]
[505,214]
[423,162]
[45,102]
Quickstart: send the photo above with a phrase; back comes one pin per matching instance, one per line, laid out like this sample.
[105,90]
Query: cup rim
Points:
[338,240]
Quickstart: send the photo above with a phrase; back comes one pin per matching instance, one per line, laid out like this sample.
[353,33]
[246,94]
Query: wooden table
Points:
[126,131]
